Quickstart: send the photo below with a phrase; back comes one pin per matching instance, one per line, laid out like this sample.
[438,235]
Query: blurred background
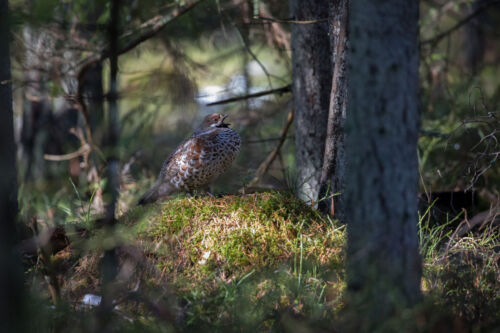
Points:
[178,57]
[215,51]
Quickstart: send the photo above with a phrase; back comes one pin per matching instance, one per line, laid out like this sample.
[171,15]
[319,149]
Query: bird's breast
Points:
[205,158]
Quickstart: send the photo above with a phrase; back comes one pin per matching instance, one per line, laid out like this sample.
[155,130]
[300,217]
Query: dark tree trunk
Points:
[11,278]
[474,38]
[46,122]
[383,263]
[332,173]
[92,83]
[109,262]
[94,97]
[312,79]
[37,109]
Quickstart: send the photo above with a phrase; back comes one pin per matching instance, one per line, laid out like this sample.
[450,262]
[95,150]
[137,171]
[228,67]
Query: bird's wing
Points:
[169,162]
[187,153]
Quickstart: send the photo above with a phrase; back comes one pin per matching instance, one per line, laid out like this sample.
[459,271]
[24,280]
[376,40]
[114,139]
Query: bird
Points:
[197,161]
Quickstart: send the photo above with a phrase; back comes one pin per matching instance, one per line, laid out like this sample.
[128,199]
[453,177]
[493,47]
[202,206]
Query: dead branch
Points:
[436,39]
[84,150]
[490,215]
[279,91]
[252,54]
[290,21]
[264,166]
[249,142]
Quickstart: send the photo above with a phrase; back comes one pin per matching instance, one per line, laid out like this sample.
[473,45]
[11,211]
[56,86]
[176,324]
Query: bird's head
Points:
[215,120]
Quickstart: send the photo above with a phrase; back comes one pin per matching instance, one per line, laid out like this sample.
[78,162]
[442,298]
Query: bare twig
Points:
[282,90]
[264,166]
[264,140]
[290,21]
[490,215]
[253,55]
[85,149]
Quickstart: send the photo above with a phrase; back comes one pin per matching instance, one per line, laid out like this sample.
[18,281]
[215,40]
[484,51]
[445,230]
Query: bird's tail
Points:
[157,191]
[150,196]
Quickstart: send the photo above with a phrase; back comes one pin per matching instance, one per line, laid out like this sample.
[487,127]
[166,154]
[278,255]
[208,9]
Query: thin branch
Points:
[436,39]
[491,215]
[252,54]
[290,21]
[280,91]
[153,26]
[85,149]
[264,166]
[265,140]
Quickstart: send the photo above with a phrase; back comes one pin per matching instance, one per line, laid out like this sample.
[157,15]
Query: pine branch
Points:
[264,166]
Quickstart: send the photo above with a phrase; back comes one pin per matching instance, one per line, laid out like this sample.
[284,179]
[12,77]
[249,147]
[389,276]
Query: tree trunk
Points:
[11,277]
[312,78]
[474,38]
[92,83]
[383,264]
[332,173]
[37,109]
[109,262]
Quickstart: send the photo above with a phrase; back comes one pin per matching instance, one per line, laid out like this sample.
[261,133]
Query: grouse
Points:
[198,160]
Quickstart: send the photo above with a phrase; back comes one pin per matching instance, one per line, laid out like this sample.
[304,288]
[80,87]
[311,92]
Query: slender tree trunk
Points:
[474,41]
[11,277]
[92,89]
[37,109]
[332,173]
[383,263]
[109,263]
[312,79]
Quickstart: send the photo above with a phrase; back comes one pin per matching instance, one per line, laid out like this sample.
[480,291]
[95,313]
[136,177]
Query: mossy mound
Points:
[255,254]
[194,238]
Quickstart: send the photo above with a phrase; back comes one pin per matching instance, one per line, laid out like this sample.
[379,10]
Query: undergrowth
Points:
[264,262]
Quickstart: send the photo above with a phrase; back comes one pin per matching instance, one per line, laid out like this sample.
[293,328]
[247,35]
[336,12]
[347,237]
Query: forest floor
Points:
[257,262]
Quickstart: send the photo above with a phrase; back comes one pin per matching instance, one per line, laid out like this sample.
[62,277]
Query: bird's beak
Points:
[222,120]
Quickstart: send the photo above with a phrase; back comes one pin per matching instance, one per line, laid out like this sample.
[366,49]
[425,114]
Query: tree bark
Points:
[333,170]
[312,78]
[383,264]
[11,277]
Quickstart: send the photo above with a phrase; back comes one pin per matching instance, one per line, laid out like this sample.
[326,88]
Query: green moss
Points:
[229,236]
[256,254]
